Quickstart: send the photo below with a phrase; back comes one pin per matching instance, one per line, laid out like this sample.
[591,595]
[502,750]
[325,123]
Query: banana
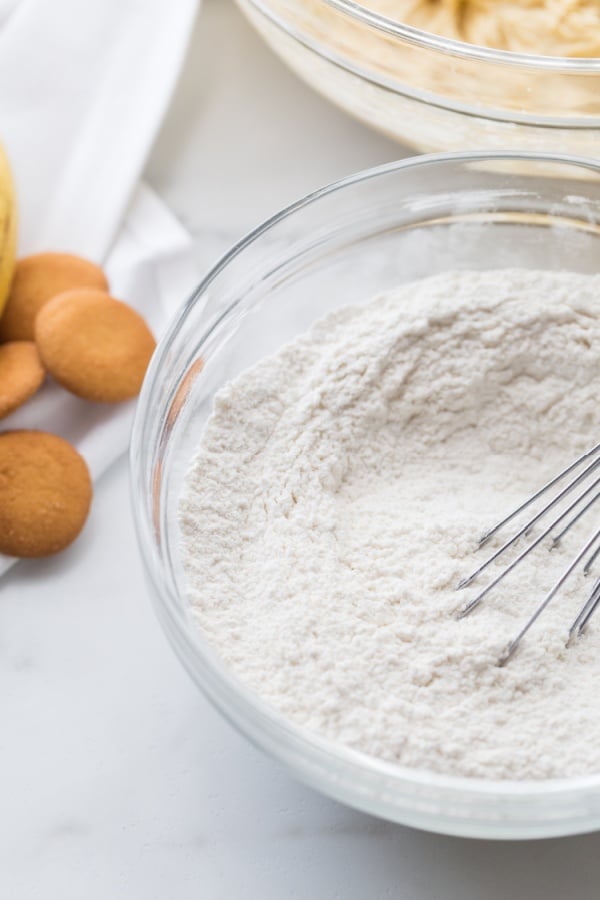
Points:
[8,228]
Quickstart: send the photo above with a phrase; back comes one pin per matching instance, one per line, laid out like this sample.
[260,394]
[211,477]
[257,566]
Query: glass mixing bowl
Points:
[428,91]
[342,245]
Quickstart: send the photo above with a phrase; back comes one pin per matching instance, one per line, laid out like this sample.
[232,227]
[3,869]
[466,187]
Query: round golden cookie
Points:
[94,345]
[39,278]
[21,374]
[45,493]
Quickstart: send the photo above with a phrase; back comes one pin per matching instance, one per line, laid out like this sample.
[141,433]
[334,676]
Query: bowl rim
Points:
[566,64]
[304,742]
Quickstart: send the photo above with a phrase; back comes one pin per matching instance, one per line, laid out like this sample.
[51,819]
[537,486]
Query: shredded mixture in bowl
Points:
[541,27]
[337,497]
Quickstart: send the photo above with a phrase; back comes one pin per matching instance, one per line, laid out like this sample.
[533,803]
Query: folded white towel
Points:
[83,88]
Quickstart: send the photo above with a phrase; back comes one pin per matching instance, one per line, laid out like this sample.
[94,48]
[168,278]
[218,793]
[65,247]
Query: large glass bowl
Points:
[338,246]
[428,91]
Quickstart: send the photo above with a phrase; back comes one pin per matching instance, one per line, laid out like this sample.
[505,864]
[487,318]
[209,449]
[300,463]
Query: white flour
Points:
[337,497]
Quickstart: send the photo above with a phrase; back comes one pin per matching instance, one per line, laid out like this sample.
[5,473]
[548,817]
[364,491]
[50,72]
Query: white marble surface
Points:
[117,779]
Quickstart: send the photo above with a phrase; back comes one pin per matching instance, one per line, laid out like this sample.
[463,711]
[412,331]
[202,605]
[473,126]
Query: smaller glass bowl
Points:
[338,246]
[428,91]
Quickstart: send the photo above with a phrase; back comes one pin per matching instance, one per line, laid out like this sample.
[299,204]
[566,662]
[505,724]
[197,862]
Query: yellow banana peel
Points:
[8,228]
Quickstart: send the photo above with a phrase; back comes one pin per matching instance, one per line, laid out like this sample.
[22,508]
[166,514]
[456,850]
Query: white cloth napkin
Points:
[83,88]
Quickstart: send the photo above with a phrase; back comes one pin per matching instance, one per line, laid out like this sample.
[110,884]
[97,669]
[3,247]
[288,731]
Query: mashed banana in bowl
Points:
[540,27]
[450,74]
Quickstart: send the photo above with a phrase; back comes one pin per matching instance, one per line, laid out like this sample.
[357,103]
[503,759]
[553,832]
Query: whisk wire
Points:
[510,649]
[546,487]
[588,566]
[587,611]
[479,597]
[558,538]
[525,529]
[572,514]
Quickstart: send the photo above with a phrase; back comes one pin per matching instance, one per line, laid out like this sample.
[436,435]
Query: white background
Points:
[117,780]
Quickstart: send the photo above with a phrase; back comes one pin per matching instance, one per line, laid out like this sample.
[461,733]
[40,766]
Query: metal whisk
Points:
[585,481]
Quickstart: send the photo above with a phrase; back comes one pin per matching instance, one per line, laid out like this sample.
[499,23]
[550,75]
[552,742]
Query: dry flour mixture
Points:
[336,499]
